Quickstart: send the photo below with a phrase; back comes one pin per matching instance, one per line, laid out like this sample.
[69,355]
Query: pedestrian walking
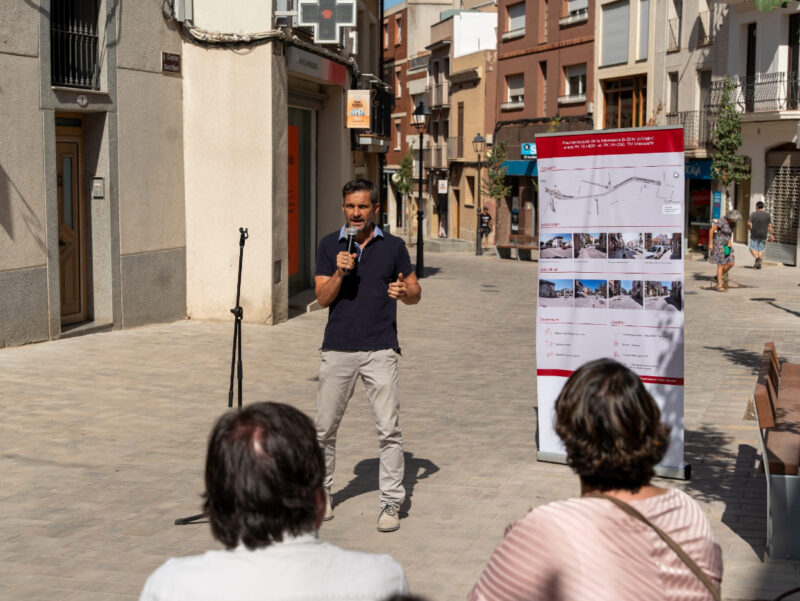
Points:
[485,225]
[721,255]
[760,226]
[361,285]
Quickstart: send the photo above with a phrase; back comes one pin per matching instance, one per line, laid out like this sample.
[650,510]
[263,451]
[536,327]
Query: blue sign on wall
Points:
[698,169]
[528,150]
[716,204]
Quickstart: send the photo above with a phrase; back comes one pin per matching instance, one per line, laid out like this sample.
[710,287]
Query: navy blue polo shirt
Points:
[363,317]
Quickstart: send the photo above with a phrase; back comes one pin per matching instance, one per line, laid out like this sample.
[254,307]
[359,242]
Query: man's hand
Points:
[397,289]
[405,289]
[345,261]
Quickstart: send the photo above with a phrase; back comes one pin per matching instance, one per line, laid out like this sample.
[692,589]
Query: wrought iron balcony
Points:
[762,92]
[697,127]
[73,44]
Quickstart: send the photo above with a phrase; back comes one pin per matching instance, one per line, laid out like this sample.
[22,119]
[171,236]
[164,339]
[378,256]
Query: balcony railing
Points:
[759,93]
[455,147]
[73,44]
[578,17]
[697,127]
[704,32]
[419,62]
[436,157]
[674,35]
[512,105]
[438,95]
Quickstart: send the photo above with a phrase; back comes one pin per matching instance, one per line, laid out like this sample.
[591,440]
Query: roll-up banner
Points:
[611,215]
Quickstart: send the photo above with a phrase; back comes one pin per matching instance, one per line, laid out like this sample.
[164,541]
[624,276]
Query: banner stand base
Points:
[676,473]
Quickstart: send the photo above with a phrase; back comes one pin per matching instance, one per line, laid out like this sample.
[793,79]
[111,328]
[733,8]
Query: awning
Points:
[521,168]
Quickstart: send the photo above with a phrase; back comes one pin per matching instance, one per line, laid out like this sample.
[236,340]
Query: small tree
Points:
[403,182]
[727,167]
[495,186]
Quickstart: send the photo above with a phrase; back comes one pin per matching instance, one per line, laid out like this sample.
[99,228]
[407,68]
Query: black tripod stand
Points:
[236,358]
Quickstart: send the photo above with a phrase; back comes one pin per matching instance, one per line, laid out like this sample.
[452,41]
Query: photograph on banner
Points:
[555,246]
[611,223]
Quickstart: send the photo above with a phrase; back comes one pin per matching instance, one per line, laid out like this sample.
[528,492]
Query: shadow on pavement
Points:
[739,356]
[721,475]
[366,479]
[771,301]
[428,271]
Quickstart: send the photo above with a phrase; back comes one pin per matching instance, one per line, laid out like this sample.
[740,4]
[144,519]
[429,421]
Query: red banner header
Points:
[565,373]
[622,142]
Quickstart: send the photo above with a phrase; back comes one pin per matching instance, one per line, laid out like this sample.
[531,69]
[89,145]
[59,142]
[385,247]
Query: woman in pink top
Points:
[588,548]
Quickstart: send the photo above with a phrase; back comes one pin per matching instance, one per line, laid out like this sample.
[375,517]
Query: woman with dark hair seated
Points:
[593,547]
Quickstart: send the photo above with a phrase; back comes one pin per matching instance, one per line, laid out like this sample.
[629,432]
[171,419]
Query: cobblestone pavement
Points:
[104,435]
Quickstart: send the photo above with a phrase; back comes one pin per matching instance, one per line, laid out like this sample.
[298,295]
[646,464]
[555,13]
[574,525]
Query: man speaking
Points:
[360,275]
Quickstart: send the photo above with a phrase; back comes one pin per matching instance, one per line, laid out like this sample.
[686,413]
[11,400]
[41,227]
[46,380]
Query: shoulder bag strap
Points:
[690,563]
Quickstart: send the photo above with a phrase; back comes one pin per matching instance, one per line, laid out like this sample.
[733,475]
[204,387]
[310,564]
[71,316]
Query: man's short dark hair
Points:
[264,472]
[759,205]
[362,185]
[611,427]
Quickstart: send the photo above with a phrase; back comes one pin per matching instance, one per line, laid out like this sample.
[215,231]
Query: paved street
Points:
[104,435]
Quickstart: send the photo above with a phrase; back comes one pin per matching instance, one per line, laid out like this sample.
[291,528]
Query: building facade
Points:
[145,136]
[545,82]
[92,210]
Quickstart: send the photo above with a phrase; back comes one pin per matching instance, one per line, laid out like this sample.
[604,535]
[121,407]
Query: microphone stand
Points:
[236,362]
[238,313]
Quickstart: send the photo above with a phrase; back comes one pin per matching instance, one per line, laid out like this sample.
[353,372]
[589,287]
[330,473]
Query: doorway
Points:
[71,219]
[301,182]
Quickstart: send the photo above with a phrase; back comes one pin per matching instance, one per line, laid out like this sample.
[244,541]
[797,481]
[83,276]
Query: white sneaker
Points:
[388,520]
[328,507]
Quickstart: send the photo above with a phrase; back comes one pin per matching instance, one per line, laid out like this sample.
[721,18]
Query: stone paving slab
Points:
[104,435]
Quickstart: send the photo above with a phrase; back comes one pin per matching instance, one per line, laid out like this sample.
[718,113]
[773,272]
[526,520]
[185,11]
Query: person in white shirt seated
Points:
[265,502]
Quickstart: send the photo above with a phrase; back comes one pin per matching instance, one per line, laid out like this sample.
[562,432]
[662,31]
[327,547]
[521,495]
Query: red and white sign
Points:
[611,215]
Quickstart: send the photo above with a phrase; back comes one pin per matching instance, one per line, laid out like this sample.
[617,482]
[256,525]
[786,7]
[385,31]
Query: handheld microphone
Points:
[352,232]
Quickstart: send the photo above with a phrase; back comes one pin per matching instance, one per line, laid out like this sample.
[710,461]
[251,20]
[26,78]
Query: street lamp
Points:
[419,119]
[478,145]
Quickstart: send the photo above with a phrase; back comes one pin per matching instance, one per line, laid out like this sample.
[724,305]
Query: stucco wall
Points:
[228,147]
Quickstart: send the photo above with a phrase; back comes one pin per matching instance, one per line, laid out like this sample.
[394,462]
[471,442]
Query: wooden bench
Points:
[777,404]
[522,244]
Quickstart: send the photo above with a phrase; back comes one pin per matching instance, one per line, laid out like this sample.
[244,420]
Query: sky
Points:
[390,3]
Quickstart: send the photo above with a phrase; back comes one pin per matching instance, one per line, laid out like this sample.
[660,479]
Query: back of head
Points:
[361,185]
[760,205]
[264,472]
[611,427]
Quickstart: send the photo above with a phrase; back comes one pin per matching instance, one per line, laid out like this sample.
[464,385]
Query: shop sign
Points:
[716,205]
[528,150]
[358,109]
[442,186]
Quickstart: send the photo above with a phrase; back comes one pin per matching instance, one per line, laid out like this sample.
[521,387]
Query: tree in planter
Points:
[727,167]
[495,186]
[403,182]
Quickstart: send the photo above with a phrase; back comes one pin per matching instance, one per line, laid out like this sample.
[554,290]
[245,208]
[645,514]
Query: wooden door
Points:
[71,232]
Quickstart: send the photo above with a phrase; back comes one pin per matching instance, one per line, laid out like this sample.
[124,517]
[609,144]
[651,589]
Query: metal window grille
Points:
[73,43]
[782,193]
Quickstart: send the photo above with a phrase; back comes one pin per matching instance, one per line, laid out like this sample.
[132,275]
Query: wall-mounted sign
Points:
[327,17]
[358,109]
[528,150]
[442,186]
[170,63]
[716,205]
